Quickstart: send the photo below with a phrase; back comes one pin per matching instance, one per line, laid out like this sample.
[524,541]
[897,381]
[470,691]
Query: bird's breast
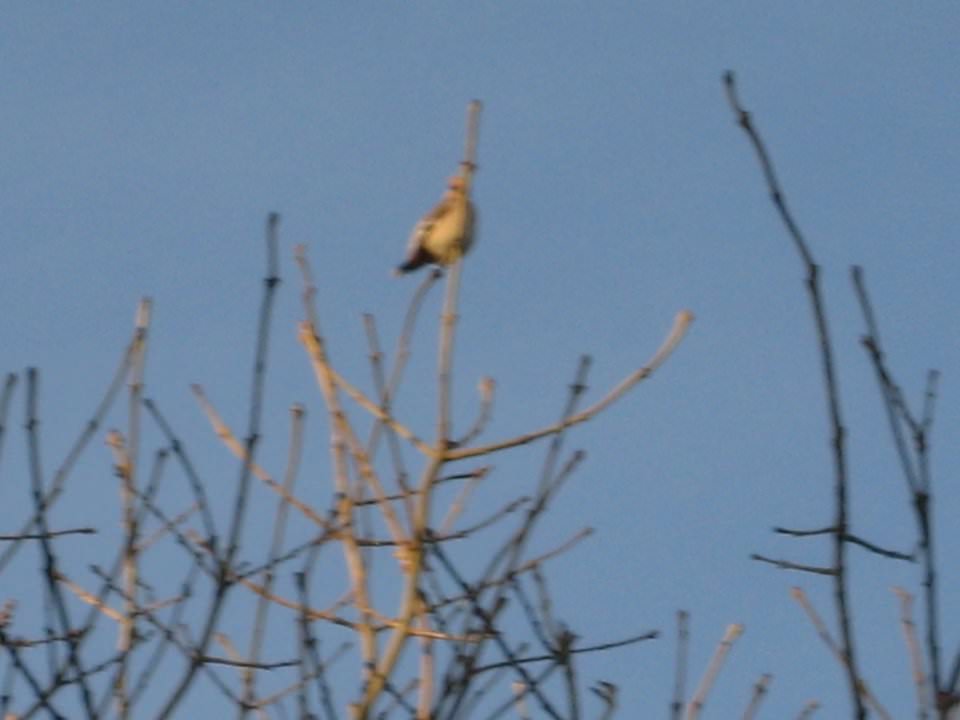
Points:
[450,236]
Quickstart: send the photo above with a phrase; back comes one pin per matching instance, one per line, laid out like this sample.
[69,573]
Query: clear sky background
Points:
[144,144]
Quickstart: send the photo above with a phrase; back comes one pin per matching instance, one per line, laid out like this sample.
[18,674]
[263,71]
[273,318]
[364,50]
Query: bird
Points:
[445,234]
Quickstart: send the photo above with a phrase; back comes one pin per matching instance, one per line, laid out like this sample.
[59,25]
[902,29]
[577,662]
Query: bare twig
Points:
[680,674]
[838,431]
[193,479]
[9,383]
[915,465]
[309,651]
[225,434]
[460,502]
[49,558]
[913,651]
[270,283]
[425,671]
[680,326]
[787,565]
[279,529]
[695,706]
[877,550]
[759,693]
[401,355]
[49,534]
[445,354]
[127,472]
[486,621]
[486,388]
[607,692]
[59,479]
[341,433]
[862,689]
[517,659]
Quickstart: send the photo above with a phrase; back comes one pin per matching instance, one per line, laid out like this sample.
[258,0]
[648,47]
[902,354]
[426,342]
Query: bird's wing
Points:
[426,223]
[469,234]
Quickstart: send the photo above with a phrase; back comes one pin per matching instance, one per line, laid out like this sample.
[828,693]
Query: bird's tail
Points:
[416,261]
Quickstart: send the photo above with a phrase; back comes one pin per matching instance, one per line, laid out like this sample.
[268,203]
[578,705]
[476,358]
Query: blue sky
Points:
[144,145]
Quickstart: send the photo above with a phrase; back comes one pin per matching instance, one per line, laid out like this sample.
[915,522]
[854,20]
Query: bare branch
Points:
[270,283]
[821,628]
[759,693]
[913,650]
[680,674]
[5,396]
[279,529]
[677,332]
[787,565]
[49,534]
[58,482]
[695,706]
[838,431]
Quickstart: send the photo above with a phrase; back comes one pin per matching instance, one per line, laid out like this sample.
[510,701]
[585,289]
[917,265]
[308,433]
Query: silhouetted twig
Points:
[680,673]
[838,432]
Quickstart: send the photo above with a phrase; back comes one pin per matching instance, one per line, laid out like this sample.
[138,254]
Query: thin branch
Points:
[565,657]
[91,599]
[680,674]
[916,467]
[425,671]
[294,454]
[607,692]
[165,642]
[49,534]
[24,670]
[787,565]
[445,354]
[5,396]
[863,690]
[512,551]
[85,630]
[270,283]
[792,532]
[494,679]
[680,326]
[913,651]
[383,393]
[696,703]
[487,624]
[877,550]
[893,402]
[401,355]
[486,388]
[850,538]
[838,431]
[58,482]
[756,698]
[312,340]
[533,620]
[41,509]
[193,479]
[460,502]
[599,647]
[226,435]
[472,134]
[521,690]
[309,651]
